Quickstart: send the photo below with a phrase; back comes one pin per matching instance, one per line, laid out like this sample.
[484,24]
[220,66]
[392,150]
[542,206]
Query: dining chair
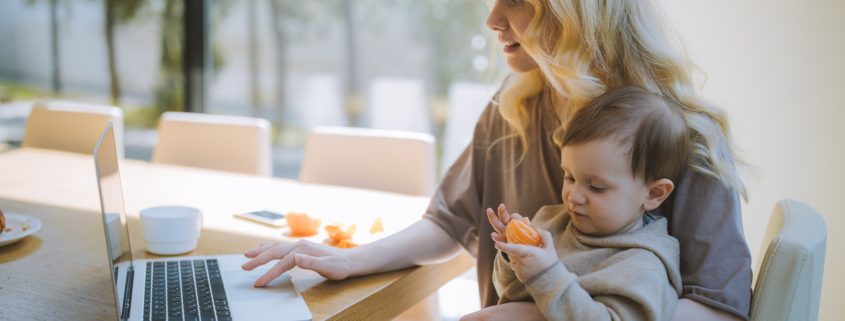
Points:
[385,160]
[789,279]
[71,126]
[218,142]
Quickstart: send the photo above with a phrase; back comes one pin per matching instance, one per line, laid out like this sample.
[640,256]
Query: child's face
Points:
[599,189]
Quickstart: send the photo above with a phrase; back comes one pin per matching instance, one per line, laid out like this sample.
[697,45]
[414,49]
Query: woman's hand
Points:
[329,262]
[526,260]
[499,221]
[431,245]
[527,311]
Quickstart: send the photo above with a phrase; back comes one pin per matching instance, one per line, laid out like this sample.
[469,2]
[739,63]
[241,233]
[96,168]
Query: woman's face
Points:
[510,18]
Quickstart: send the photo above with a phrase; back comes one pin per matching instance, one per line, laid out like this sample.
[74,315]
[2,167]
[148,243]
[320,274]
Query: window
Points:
[418,65]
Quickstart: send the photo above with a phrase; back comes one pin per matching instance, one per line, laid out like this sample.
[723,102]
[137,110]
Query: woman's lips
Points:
[511,47]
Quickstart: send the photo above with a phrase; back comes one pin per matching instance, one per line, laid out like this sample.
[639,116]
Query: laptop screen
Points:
[114,216]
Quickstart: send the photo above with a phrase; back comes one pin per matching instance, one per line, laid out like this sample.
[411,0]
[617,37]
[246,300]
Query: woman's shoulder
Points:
[493,124]
[700,202]
[695,183]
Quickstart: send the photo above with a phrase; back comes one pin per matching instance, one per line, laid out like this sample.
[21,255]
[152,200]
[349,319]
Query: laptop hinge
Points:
[127,293]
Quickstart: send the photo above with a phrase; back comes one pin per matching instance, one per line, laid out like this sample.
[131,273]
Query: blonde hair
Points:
[603,44]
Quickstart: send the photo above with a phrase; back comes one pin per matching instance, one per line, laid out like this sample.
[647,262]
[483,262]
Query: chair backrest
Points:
[393,161]
[71,126]
[790,274]
[227,143]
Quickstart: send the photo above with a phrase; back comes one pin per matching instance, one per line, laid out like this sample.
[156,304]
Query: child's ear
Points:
[658,191]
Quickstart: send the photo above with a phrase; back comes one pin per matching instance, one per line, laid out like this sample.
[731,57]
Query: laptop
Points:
[181,288]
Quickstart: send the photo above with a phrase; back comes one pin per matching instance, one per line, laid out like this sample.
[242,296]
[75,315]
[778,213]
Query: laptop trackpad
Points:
[277,301]
[239,286]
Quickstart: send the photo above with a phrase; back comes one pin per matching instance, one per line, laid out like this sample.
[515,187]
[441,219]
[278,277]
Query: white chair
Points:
[227,143]
[71,126]
[789,280]
[393,161]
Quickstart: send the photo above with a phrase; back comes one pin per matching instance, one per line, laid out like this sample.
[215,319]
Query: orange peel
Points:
[301,224]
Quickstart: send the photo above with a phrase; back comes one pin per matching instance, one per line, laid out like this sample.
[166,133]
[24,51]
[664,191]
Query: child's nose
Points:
[576,198]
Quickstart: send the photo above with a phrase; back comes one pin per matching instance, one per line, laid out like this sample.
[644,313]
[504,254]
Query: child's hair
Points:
[654,133]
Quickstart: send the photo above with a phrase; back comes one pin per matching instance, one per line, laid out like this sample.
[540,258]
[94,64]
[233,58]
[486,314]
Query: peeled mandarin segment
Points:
[346,244]
[332,231]
[301,224]
[337,233]
[343,244]
[520,231]
[377,226]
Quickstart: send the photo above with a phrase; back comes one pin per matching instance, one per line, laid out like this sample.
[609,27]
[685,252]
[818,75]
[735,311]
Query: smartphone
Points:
[265,217]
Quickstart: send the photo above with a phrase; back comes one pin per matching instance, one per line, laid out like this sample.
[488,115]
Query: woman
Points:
[563,54]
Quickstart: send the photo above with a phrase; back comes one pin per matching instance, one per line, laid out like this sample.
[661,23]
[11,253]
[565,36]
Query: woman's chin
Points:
[521,66]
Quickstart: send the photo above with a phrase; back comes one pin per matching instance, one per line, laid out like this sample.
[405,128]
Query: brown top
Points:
[715,259]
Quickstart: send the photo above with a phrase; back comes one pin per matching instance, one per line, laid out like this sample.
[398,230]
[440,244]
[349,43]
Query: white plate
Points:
[18,226]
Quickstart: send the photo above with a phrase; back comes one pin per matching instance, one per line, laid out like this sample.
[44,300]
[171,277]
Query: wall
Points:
[777,67]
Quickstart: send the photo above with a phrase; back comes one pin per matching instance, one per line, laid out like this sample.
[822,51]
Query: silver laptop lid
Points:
[114,215]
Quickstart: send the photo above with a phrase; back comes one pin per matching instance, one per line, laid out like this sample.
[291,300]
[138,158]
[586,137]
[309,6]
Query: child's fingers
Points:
[494,221]
[548,241]
[516,250]
[498,237]
[503,213]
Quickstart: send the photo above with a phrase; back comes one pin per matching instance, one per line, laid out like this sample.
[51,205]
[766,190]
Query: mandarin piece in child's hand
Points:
[2,222]
[520,231]
[301,224]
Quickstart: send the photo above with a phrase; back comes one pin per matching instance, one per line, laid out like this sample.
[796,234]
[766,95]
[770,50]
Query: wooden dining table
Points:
[61,272]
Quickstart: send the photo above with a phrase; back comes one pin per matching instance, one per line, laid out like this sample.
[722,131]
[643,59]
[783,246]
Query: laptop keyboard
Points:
[185,290]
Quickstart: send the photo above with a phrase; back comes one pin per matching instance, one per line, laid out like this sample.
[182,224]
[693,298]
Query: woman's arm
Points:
[422,243]
[525,311]
[689,310]
[705,216]
[429,244]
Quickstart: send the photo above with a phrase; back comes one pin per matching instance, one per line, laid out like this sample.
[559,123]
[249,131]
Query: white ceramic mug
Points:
[170,230]
[116,230]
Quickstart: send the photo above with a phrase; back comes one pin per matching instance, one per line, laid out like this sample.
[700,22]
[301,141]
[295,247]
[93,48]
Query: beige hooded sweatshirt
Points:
[632,275]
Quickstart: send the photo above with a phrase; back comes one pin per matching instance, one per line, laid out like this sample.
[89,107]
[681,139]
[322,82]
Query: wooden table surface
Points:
[58,272]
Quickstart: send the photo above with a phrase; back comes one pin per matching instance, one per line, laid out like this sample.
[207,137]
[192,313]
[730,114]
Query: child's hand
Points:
[525,260]
[499,221]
